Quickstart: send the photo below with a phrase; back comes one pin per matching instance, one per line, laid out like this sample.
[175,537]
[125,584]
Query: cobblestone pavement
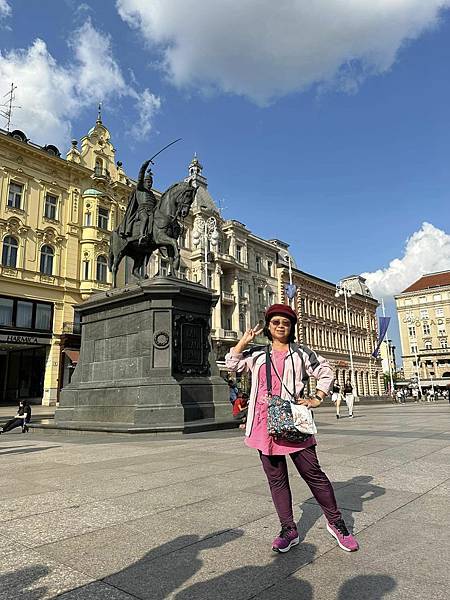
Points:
[112,517]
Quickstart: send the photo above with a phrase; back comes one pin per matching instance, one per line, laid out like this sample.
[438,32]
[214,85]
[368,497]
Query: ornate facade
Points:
[423,311]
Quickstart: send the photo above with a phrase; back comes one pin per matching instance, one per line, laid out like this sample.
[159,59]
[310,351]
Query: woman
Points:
[336,397]
[349,398]
[21,419]
[289,363]
[240,408]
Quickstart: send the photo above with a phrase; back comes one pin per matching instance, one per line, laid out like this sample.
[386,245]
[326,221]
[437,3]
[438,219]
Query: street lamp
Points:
[342,290]
[205,230]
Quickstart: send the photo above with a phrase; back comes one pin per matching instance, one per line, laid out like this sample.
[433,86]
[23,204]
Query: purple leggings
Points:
[306,463]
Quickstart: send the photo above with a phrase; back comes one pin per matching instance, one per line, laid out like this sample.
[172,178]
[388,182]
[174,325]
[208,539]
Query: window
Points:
[210,280]
[46,265]
[422,299]
[437,297]
[238,253]
[258,264]
[183,273]
[6,311]
[443,343]
[242,322]
[101,269]
[241,290]
[24,315]
[439,312]
[270,298]
[15,195]
[98,166]
[260,296]
[51,202]
[426,329]
[85,269]
[163,268]
[43,317]
[87,219]
[269,267]
[103,218]
[182,240]
[428,346]
[408,302]
[9,252]
[413,348]
[441,330]
[412,331]
[424,313]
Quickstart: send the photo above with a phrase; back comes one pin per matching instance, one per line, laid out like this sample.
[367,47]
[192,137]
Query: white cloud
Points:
[426,251]
[51,95]
[5,9]
[263,49]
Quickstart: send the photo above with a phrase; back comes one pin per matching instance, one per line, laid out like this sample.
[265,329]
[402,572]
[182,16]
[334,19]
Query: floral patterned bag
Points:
[280,419]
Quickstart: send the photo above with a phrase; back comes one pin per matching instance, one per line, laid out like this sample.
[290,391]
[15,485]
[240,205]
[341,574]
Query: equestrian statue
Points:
[150,224]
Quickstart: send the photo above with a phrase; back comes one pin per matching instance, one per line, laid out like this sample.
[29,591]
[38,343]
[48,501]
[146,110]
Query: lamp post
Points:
[205,230]
[388,347]
[342,290]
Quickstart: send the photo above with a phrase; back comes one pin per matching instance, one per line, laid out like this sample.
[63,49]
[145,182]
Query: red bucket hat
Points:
[281,309]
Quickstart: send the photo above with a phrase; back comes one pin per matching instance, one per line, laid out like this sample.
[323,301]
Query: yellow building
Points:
[423,311]
[55,219]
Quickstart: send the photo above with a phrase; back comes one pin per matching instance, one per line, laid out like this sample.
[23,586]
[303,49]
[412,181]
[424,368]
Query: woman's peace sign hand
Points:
[247,338]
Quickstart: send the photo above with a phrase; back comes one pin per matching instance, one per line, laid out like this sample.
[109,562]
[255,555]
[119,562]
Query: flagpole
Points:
[388,351]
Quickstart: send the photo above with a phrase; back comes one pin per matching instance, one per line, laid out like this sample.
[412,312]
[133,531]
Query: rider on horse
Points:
[141,206]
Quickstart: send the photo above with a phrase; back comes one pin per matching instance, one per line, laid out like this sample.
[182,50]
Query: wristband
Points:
[318,398]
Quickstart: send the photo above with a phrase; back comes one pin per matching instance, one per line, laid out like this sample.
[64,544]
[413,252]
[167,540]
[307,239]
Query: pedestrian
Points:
[289,367]
[336,397]
[21,419]
[232,390]
[349,397]
[399,396]
[240,408]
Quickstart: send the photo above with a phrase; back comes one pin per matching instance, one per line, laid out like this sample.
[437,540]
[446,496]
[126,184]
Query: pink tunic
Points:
[259,438]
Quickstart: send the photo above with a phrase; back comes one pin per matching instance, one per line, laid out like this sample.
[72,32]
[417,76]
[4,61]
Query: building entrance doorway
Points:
[22,374]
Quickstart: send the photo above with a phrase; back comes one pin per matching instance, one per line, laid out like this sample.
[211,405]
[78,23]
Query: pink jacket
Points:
[255,358]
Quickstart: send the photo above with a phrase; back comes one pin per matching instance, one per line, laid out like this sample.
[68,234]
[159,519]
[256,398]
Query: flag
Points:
[290,290]
[384,324]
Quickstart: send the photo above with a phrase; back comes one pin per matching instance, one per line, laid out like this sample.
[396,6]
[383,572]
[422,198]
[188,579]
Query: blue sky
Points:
[327,129]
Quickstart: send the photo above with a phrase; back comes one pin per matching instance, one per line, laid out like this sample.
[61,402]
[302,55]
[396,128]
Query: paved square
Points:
[139,517]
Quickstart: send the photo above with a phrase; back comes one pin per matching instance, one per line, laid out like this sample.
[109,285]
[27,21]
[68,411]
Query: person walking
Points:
[290,366]
[21,419]
[336,397]
[349,397]
[232,388]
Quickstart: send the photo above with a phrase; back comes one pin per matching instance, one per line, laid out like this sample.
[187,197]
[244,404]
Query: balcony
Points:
[229,334]
[101,174]
[228,297]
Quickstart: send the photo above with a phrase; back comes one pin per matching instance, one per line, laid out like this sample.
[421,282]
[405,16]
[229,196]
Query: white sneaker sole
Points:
[337,539]
[293,543]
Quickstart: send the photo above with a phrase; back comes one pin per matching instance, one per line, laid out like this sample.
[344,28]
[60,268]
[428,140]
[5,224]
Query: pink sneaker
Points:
[345,539]
[287,538]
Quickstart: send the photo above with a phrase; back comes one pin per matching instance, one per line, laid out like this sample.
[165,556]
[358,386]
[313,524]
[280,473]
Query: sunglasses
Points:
[283,322]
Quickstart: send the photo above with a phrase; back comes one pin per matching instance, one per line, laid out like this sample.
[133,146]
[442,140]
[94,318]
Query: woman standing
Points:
[349,398]
[290,367]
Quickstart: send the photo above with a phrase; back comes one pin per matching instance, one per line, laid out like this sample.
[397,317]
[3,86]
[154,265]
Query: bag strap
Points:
[269,365]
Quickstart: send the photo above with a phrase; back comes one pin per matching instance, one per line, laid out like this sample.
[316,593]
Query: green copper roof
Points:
[92,192]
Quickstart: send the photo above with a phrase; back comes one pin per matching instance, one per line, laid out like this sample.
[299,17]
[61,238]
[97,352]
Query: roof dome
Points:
[92,192]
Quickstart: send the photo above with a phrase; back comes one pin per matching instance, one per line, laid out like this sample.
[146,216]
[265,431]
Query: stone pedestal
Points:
[145,361]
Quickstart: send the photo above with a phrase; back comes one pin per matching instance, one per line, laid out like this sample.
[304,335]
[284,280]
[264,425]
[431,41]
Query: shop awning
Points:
[72,354]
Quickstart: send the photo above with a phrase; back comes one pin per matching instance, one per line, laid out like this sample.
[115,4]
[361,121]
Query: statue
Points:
[150,224]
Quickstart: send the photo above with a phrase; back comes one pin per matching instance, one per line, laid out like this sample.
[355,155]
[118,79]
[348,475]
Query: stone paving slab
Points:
[132,517]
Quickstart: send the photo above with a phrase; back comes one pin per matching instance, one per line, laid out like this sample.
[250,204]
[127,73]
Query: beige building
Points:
[423,311]
[322,325]
[56,215]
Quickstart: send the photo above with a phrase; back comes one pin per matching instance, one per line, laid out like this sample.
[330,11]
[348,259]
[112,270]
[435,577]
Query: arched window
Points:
[47,254]
[9,251]
[98,166]
[100,273]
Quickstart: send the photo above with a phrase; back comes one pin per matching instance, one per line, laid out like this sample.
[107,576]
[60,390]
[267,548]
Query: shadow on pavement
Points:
[363,491]
[369,587]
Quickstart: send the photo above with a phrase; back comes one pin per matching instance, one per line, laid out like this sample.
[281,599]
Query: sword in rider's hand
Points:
[165,148]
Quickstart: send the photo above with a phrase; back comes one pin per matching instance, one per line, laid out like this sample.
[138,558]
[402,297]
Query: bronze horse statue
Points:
[173,205]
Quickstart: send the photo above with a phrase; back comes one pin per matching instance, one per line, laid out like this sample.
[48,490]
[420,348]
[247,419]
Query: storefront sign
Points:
[32,340]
